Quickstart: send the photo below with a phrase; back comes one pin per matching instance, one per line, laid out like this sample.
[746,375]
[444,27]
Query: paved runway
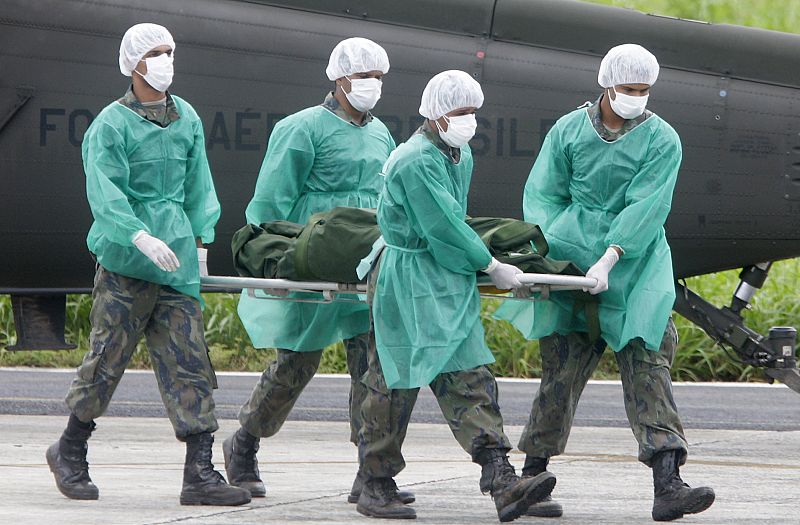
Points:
[708,406]
[744,442]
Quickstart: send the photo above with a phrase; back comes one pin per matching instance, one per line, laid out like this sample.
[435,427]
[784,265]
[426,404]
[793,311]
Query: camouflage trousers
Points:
[467,399]
[284,380]
[567,364]
[124,309]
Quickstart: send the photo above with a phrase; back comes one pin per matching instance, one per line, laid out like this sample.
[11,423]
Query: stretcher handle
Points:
[561,280]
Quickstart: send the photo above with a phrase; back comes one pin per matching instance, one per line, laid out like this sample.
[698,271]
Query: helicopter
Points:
[730,92]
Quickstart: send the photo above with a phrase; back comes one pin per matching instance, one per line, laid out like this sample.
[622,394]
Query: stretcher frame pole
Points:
[541,283]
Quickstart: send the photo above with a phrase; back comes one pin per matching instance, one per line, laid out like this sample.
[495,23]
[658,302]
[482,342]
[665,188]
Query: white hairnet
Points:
[356,55]
[450,90]
[627,64]
[137,41]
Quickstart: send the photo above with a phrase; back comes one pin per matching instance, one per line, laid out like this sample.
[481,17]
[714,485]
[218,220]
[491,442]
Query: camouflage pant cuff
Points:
[182,434]
[538,450]
[646,456]
[483,454]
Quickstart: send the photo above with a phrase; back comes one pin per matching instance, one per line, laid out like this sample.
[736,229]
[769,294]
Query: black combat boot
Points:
[202,485]
[547,508]
[379,499]
[673,497]
[241,464]
[358,484]
[67,460]
[512,495]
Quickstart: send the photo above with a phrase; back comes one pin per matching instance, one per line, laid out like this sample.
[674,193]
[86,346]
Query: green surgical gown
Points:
[588,194]
[140,176]
[315,161]
[426,306]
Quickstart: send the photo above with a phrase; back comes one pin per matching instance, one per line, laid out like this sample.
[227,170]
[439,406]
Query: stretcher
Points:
[540,283]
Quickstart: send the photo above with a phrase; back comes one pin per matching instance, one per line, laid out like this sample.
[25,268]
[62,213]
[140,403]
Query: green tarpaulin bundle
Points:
[332,243]
[327,248]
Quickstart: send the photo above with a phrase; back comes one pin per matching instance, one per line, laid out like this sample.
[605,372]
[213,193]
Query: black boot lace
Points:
[505,475]
[74,454]
[677,481]
[246,457]
[666,474]
[386,489]
[202,458]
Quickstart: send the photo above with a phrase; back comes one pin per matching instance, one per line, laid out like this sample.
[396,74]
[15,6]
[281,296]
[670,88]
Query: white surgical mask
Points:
[364,93]
[159,72]
[627,106]
[460,129]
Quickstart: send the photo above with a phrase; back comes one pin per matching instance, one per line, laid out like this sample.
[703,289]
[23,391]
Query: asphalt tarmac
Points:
[744,442]
[735,406]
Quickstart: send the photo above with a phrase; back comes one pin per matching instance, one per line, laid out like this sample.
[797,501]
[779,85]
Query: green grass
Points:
[777,15]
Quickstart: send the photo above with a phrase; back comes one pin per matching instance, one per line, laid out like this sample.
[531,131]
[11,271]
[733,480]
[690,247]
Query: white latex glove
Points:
[504,276]
[202,260]
[600,270]
[156,250]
